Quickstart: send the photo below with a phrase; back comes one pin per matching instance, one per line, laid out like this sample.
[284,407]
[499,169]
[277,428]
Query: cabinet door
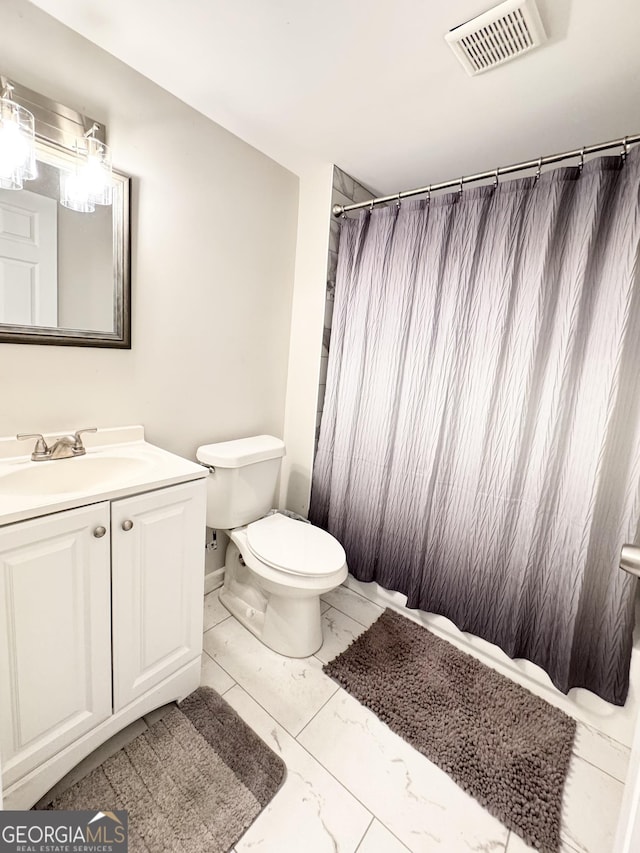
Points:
[55,634]
[158,577]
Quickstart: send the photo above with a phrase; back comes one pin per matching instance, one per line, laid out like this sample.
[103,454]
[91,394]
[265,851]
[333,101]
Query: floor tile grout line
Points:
[587,726]
[566,840]
[329,698]
[206,630]
[364,834]
[604,736]
[211,627]
[597,767]
[381,822]
[379,819]
[313,757]
[248,692]
[335,607]
[348,615]
[328,771]
[220,665]
[579,722]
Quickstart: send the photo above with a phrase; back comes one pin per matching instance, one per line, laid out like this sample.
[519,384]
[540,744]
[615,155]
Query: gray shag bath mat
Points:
[193,782]
[506,747]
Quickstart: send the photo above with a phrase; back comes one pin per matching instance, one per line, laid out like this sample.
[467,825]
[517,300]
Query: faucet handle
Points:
[40,451]
[78,447]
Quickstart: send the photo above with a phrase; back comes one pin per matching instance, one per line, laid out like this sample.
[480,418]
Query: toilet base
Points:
[291,627]
[290,623]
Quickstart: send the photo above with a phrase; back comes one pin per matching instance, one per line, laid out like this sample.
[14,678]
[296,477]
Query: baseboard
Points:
[213,580]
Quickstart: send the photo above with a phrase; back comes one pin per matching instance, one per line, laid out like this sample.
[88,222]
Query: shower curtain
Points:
[480,443]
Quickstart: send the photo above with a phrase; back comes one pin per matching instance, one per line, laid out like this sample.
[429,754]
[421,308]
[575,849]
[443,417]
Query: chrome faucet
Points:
[65,447]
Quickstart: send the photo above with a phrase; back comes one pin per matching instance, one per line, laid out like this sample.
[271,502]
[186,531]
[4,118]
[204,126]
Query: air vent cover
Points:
[497,36]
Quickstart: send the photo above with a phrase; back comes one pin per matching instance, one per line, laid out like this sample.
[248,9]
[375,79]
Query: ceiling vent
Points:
[497,36]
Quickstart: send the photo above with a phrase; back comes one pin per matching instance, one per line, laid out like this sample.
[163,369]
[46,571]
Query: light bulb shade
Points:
[98,171]
[74,193]
[17,145]
[90,183]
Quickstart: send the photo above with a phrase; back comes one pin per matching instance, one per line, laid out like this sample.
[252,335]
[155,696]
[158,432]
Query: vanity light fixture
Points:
[90,181]
[17,142]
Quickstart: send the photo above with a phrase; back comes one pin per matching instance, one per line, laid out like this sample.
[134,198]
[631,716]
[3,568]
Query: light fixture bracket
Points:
[54,122]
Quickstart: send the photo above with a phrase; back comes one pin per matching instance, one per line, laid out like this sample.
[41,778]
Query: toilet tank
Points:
[242,488]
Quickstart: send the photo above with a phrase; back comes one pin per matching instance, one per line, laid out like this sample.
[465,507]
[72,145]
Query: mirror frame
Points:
[120,338]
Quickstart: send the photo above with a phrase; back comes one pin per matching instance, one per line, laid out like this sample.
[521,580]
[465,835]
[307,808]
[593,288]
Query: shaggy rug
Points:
[193,782]
[506,747]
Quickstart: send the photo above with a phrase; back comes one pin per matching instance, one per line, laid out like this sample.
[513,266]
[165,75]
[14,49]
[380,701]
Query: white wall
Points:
[213,250]
[306,336]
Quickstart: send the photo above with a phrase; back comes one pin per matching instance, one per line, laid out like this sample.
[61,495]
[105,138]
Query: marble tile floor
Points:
[352,784]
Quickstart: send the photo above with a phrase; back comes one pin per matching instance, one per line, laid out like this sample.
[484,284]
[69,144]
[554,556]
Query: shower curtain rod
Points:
[625,142]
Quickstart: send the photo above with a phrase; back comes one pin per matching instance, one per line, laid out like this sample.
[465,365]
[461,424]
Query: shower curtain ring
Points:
[495,179]
[371,207]
[625,150]
[398,202]
[539,169]
[460,188]
[429,194]
[581,164]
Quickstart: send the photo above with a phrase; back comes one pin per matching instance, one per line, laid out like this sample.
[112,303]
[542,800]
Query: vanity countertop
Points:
[118,463]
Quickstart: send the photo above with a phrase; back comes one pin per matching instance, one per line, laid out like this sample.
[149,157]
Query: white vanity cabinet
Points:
[157,540]
[100,623]
[55,661]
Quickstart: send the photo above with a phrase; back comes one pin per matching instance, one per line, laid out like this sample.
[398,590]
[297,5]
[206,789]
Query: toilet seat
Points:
[294,547]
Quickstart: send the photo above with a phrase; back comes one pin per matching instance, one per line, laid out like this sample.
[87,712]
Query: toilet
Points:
[276,566]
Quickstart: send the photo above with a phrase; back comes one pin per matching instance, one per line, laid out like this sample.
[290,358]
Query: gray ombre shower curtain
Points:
[480,442]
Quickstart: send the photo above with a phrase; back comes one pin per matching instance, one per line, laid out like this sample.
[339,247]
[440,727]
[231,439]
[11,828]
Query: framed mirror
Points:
[64,275]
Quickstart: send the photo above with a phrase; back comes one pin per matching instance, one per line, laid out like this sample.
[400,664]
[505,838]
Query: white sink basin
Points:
[60,476]
[118,463]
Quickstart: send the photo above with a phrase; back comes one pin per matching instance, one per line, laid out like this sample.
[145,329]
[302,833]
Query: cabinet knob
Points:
[99,532]
[127,525]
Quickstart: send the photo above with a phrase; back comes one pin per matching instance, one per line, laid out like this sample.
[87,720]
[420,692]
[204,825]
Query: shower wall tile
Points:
[361,193]
[346,190]
[324,365]
[328,310]
[340,198]
[333,265]
[334,234]
[343,183]
[326,340]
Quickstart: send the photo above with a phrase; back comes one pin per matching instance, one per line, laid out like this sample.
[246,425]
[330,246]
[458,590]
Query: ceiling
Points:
[372,86]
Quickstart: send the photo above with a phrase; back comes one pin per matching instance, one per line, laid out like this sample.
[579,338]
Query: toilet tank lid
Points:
[241,451]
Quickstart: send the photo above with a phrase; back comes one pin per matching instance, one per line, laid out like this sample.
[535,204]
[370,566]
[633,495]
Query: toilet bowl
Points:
[276,567]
